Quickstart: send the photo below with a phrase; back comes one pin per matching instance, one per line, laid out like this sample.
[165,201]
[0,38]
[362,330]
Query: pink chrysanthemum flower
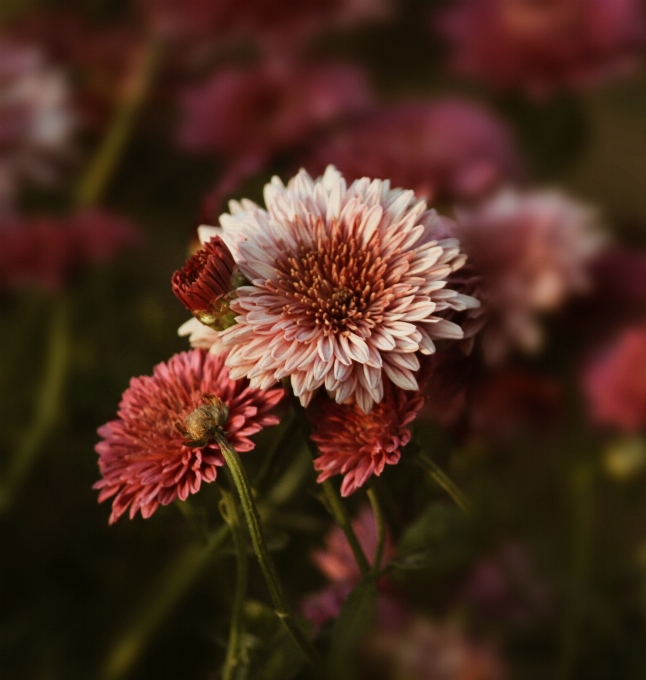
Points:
[36,120]
[616,382]
[337,563]
[545,46]
[46,251]
[528,251]
[346,287]
[143,458]
[357,444]
[449,148]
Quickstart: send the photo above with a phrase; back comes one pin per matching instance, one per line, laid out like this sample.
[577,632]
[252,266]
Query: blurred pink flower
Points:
[336,562]
[616,382]
[345,287]
[98,56]
[46,251]
[449,148]
[424,650]
[143,459]
[358,445]
[544,46]
[278,22]
[36,119]
[527,252]
[249,115]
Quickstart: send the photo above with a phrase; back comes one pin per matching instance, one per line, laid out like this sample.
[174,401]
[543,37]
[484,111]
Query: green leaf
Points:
[440,538]
[271,651]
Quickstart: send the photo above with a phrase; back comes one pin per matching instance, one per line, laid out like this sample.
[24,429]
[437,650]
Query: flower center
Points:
[337,285]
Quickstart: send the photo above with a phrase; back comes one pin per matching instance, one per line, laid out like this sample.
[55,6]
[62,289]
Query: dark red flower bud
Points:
[206,282]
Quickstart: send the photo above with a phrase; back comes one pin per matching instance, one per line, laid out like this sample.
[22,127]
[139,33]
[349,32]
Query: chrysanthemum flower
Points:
[337,563]
[357,444]
[346,287]
[46,251]
[205,283]
[545,46]
[450,148]
[36,119]
[143,458]
[528,251]
[616,382]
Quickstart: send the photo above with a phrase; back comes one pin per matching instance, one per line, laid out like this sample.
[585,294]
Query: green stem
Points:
[381,529]
[268,466]
[178,578]
[104,163]
[262,553]
[581,491]
[48,404]
[334,503]
[232,518]
[442,479]
[171,587]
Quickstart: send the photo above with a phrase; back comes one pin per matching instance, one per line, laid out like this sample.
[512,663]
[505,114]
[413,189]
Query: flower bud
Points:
[206,284]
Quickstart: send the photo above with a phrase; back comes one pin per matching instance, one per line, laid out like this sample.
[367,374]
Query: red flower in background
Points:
[143,459]
[449,148]
[616,382]
[46,251]
[544,46]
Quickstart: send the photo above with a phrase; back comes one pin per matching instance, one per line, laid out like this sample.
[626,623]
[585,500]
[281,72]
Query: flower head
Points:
[544,46]
[346,287]
[36,120]
[357,444]
[450,148]
[205,283]
[616,382]
[527,253]
[46,251]
[337,563]
[145,457]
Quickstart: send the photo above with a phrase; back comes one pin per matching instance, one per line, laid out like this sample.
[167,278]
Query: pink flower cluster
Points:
[450,148]
[46,251]
[542,47]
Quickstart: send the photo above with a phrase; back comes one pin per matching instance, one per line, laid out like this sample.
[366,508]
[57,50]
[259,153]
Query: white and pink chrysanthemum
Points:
[143,458]
[528,252]
[36,118]
[347,286]
[358,445]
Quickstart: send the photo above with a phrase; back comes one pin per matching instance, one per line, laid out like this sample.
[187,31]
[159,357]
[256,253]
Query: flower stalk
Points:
[334,503]
[232,518]
[443,480]
[381,528]
[267,565]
